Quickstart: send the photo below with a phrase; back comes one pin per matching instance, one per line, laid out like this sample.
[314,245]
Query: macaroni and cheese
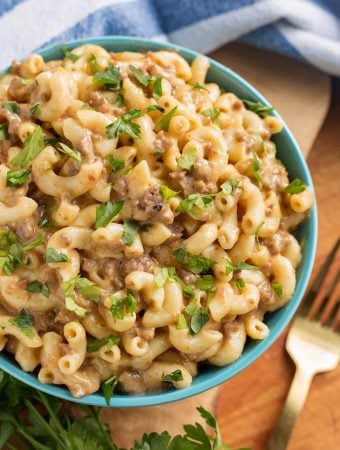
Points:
[145,222]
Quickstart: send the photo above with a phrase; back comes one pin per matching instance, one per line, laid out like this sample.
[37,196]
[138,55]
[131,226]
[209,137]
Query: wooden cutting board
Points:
[301,94]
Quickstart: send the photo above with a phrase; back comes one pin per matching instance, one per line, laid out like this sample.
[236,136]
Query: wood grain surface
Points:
[250,404]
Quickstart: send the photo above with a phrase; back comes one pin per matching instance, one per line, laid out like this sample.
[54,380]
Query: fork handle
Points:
[294,402]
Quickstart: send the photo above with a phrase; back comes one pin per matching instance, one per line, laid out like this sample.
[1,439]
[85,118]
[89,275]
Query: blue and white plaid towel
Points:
[305,29]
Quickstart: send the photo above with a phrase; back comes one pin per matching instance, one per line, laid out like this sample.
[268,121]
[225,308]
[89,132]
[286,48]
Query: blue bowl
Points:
[289,153]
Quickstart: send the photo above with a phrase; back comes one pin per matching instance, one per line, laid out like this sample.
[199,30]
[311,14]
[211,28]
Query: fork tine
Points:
[332,302]
[323,283]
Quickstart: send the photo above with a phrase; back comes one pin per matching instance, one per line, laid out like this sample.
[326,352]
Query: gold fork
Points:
[313,343]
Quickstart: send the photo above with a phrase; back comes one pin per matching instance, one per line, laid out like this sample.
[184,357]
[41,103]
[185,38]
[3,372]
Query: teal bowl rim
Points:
[219,374]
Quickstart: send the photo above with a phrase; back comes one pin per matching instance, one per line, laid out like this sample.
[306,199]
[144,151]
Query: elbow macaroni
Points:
[186,269]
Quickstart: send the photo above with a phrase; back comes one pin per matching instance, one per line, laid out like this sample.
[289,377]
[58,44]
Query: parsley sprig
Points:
[45,425]
[124,125]
[259,108]
[194,263]
[12,250]
[33,145]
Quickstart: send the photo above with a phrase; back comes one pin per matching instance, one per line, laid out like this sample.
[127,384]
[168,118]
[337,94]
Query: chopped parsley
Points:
[199,86]
[35,110]
[188,291]
[165,120]
[194,263]
[259,108]
[157,90]
[63,148]
[167,193]
[12,251]
[155,107]
[3,132]
[15,178]
[194,202]
[93,64]
[176,375]
[115,163]
[52,256]
[108,388]
[25,322]
[165,274]
[105,212]
[182,323]
[206,283]
[33,145]
[213,114]
[296,186]
[12,107]
[229,186]
[255,167]
[130,231]
[187,159]
[26,81]
[38,288]
[124,125]
[230,267]
[71,305]
[111,78]
[257,232]
[68,54]
[122,305]
[198,320]
[140,76]
[108,342]
[240,283]
[277,288]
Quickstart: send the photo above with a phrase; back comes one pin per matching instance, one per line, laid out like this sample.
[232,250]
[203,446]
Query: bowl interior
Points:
[292,158]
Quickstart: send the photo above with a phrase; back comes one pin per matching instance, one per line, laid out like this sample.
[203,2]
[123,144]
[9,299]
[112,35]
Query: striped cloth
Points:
[305,29]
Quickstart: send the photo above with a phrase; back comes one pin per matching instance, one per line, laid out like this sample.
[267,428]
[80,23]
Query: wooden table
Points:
[250,404]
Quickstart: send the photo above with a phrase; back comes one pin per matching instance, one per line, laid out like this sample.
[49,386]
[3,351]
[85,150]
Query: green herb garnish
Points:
[182,323]
[258,108]
[38,288]
[15,178]
[93,64]
[165,274]
[240,283]
[3,132]
[108,388]
[68,54]
[194,263]
[124,125]
[165,120]
[25,322]
[12,107]
[187,159]
[277,288]
[199,86]
[115,164]
[155,107]
[111,78]
[35,110]
[122,305]
[33,145]
[255,167]
[295,187]
[63,148]
[174,376]
[230,267]
[130,231]
[157,90]
[167,193]
[108,342]
[202,202]
[52,256]
[213,114]
[206,283]
[140,76]
[106,212]
[229,186]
